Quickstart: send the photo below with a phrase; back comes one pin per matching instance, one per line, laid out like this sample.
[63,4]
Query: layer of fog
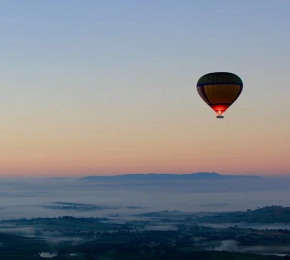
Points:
[258,226]
[51,237]
[30,198]
[234,246]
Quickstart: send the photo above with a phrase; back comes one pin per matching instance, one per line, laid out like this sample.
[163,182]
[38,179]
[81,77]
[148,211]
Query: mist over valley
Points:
[101,196]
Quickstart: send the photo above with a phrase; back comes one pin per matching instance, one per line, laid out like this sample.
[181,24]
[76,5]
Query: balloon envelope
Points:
[219,90]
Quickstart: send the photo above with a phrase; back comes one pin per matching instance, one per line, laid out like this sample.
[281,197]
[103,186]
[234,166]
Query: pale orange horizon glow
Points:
[189,143]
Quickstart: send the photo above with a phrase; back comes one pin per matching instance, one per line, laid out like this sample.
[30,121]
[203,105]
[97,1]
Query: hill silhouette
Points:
[158,176]
[194,182]
[269,214]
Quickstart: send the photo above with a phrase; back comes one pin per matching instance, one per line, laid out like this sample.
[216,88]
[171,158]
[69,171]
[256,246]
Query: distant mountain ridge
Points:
[194,182]
[167,176]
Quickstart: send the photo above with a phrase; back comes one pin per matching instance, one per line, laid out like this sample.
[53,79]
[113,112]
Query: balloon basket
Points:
[219,116]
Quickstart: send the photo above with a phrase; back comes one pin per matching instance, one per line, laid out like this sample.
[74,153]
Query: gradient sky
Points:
[109,87]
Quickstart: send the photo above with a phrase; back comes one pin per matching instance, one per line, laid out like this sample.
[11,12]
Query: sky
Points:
[109,87]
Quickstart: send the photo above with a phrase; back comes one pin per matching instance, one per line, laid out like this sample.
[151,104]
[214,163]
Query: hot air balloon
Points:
[219,90]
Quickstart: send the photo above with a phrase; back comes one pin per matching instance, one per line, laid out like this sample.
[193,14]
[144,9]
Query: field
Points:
[154,235]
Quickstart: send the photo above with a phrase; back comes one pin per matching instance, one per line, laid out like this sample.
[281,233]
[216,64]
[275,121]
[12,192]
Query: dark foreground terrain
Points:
[155,235]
